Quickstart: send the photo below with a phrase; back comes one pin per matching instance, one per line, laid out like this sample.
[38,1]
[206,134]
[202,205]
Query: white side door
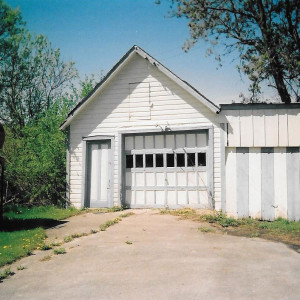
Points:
[98,174]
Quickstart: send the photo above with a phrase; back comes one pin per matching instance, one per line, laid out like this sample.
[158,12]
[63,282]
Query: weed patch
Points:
[128,242]
[126,215]
[205,229]
[59,251]
[6,273]
[109,223]
[279,230]
[20,268]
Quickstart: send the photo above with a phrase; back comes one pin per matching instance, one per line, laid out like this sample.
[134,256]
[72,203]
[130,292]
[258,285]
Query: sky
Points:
[95,34]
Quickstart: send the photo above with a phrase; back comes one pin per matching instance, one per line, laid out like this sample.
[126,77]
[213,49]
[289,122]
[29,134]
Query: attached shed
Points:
[262,163]
[146,138]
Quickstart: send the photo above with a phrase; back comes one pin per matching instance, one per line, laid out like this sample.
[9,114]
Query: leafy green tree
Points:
[36,158]
[10,25]
[265,34]
[32,78]
[35,172]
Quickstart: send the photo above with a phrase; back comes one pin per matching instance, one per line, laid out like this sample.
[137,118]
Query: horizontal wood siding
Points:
[263,127]
[160,102]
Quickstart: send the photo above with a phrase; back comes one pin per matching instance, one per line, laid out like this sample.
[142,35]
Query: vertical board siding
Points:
[263,127]
[293,127]
[242,181]
[263,182]
[293,180]
[231,199]
[267,184]
[255,183]
[280,182]
[246,124]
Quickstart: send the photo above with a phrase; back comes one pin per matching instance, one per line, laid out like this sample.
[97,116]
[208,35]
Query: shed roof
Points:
[137,50]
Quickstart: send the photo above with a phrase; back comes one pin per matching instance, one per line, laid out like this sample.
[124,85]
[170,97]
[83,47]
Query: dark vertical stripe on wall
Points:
[242,181]
[293,183]
[267,183]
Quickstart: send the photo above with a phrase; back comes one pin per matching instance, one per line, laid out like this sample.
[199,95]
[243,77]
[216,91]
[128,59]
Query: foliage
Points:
[109,223]
[32,78]
[59,251]
[265,33]
[36,161]
[6,273]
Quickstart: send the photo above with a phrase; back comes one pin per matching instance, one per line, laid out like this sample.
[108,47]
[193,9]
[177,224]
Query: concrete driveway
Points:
[152,256]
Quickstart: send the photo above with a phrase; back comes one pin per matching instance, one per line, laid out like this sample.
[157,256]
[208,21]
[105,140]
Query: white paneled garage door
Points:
[166,169]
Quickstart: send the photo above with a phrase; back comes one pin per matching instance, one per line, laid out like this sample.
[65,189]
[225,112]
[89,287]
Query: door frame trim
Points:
[96,138]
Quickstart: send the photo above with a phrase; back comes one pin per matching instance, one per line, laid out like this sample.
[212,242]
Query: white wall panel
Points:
[280,182]
[255,182]
[231,205]
[246,125]
[294,127]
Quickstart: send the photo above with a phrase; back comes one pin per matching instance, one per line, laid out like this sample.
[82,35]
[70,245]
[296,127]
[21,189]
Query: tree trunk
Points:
[279,82]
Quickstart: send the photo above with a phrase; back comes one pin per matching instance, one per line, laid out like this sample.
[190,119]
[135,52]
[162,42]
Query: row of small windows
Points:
[172,160]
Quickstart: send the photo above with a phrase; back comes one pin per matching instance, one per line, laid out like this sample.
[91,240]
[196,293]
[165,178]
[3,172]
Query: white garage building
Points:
[145,138]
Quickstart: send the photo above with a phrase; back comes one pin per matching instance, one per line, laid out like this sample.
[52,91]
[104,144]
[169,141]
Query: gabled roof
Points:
[135,49]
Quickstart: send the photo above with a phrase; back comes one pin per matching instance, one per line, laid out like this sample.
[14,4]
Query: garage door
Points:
[167,169]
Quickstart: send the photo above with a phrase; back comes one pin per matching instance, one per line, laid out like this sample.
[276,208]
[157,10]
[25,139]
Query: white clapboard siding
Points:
[273,127]
[155,100]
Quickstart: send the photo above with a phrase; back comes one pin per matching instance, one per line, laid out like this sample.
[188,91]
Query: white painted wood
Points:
[234,133]
[104,172]
[246,128]
[159,141]
[254,183]
[231,201]
[280,182]
[94,172]
[129,140]
[271,127]
[259,136]
[180,140]
[108,113]
[201,139]
[293,127]
[283,127]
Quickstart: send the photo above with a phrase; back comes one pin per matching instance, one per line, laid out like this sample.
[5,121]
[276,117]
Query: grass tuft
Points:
[109,223]
[205,229]
[126,215]
[6,273]
[59,251]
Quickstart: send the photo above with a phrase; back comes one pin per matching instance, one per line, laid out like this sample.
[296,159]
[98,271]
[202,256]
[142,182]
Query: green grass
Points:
[280,230]
[41,212]
[20,243]
[59,251]
[24,230]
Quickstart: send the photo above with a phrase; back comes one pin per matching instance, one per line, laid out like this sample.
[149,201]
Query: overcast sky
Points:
[95,34]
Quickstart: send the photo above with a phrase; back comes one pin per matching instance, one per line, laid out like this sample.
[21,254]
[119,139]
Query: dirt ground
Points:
[154,256]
